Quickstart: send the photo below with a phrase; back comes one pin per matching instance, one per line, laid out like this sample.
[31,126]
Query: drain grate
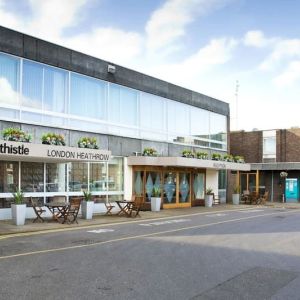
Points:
[256,283]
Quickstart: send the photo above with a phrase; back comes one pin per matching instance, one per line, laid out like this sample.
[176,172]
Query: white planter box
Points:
[18,212]
[87,209]
[208,200]
[155,204]
[236,199]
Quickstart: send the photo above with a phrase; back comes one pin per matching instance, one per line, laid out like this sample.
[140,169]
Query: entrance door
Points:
[291,190]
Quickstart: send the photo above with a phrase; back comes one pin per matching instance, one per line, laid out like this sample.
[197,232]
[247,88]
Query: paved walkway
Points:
[7,228]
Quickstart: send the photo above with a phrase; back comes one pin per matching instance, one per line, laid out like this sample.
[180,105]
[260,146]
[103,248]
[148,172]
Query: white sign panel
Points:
[40,152]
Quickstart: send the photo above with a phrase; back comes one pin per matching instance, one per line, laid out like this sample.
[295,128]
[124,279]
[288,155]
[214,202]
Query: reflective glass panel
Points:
[218,127]
[78,176]
[115,174]
[184,187]
[98,178]
[199,123]
[198,186]
[9,79]
[178,118]
[56,179]
[87,97]
[9,176]
[32,86]
[170,187]
[32,177]
[55,90]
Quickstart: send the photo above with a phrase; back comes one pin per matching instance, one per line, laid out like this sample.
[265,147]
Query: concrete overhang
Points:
[279,166]
[185,162]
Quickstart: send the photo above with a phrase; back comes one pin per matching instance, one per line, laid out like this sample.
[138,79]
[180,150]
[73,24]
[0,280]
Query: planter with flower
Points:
[87,205]
[239,159]
[188,153]
[16,135]
[228,158]
[53,139]
[216,156]
[236,195]
[18,208]
[201,155]
[150,152]
[156,199]
[88,142]
[209,195]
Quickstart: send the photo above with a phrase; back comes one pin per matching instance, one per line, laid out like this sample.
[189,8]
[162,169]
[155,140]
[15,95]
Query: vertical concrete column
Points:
[127,180]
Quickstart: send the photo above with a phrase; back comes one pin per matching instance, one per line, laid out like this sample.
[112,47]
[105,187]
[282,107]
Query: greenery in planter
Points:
[156,192]
[239,159]
[150,152]
[209,191]
[188,153]
[236,189]
[216,156]
[228,157]
[202,155]
[18,197]
[88,142]
[16,135]
[87,196]
[53,139]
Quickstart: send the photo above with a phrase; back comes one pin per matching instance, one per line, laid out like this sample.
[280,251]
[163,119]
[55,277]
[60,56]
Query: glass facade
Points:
[48,179]
[37,93]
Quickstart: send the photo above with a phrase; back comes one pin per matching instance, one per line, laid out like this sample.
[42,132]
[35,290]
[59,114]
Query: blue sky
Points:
[204,45]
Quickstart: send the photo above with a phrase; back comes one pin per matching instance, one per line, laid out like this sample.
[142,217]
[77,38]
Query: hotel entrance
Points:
[178,187]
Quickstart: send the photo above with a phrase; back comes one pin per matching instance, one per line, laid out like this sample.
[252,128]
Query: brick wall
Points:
[288,145]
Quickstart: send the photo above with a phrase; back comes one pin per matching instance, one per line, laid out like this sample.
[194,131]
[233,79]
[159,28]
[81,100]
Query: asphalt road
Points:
[245,254]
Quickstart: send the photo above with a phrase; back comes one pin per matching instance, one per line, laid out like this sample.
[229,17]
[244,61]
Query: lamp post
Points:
[283,175]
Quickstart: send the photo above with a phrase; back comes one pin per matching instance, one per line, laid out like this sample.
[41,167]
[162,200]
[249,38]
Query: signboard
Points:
[40,152]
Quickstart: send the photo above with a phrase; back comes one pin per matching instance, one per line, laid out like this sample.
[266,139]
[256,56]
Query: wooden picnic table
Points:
[125,207]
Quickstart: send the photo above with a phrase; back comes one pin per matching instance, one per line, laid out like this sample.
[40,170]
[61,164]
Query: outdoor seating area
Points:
[254,198]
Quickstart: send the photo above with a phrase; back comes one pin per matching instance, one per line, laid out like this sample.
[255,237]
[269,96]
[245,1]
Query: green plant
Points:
[201,155]
[149,152]
[228,157]
[53,139]
[87,195]
[156,192]
[209,191]
[87,142]
[216,156]
[16,135]
[188,153]
[239,159]
[18,197]
[236,189]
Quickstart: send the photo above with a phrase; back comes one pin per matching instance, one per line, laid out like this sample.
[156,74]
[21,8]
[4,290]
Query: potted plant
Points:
[53,139]
[201,155]
[88,142]
[228,157]
[149,152]
[18,208]
[209,195]
[156,199]
[236,195]
[87,205]
[16,135]
[187,153]
[216,156]
[239,159]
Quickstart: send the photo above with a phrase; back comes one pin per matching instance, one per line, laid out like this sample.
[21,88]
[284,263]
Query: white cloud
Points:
[168,22]
[256,38]
[290,75]
[7,95]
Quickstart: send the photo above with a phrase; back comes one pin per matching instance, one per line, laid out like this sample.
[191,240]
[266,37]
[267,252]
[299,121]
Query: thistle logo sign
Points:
[10,149]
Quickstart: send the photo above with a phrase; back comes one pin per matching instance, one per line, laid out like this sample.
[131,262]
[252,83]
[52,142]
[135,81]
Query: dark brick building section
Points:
[250,145]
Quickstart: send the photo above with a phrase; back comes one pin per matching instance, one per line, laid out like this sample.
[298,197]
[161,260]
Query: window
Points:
[115,174]
[199,123]
[98,179]
[87,97]
[9,79]
[32,177]
[56,179]
[269,146]
[78,176]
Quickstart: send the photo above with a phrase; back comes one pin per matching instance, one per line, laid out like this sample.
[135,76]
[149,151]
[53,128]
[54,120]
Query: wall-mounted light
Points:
[111,69]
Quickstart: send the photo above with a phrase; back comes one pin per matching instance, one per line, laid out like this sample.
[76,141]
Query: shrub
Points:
[202,155]
[18,197]
[209,191]
[87,196]
[87,142]
[216,156]
[188,153]
[16,135]
[239,159]
[236,189]
[53,139]
[228,157]
[149,152]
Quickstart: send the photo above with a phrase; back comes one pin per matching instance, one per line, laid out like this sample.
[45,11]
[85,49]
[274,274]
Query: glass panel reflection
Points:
[115,174]
[98,180]
[78,176]
[9,176]
[32,177]
[138,183]
[56,179]
[198,186]
[170,187]
[184,187]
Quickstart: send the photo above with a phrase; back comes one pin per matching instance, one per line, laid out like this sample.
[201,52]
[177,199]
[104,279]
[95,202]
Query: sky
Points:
[243,52]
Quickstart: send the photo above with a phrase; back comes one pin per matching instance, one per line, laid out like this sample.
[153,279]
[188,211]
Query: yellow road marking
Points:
[46,231]
[138,236]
